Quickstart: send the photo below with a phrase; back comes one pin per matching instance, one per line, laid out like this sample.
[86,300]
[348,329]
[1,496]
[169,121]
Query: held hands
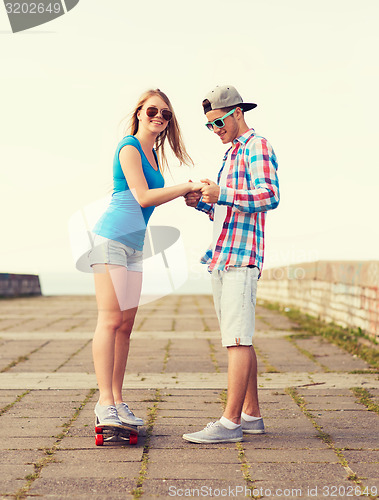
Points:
[210,191]
[207,189]
[194,194]
[195,187]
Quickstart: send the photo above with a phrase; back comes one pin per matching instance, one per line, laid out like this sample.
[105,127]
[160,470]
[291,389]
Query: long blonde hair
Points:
[171,132]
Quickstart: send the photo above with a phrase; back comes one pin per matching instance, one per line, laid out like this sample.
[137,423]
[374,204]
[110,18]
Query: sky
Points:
[66,86]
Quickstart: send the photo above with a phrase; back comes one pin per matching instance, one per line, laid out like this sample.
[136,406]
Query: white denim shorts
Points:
[235,296]
[106,251]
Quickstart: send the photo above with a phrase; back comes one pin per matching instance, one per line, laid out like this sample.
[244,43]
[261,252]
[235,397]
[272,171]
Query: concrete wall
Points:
[340,291]
[19,285]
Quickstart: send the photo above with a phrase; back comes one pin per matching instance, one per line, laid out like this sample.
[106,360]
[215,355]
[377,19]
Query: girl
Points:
[116,257]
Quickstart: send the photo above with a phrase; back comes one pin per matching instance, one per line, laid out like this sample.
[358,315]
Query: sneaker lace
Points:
[210,424]
[112,411]
[128,410]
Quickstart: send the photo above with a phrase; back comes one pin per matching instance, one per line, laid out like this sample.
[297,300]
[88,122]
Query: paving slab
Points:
[169,469]
[95,469]
[51,355]
[32,427]
[286,472]
[363,456]
[297,456]
[331,356]
[26,443]
[48,335]
[201,456]
[117,453]
[366,471]
[9,486]
[158,488]
[15,472]
[83,488]
[299,488]
[11,351]
[283,356]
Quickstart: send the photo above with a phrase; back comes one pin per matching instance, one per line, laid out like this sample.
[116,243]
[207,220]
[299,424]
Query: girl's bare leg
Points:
[128,298]
[117,295]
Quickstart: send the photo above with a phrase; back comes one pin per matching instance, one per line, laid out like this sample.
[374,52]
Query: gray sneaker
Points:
[126,415]
[107,415]
[253,427]
[215,432]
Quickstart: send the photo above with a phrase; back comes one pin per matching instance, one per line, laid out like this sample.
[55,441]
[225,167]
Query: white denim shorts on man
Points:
[106,251]
[235,295]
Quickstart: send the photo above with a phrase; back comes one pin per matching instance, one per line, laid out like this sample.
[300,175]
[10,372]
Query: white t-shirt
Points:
[220,210]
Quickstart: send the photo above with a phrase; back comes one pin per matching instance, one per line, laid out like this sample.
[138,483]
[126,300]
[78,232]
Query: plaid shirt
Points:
[252,188]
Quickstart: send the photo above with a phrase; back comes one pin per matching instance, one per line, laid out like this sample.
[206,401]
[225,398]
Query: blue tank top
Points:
[125,220]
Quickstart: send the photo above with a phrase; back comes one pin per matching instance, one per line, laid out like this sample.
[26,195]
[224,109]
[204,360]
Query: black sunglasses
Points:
[153,111]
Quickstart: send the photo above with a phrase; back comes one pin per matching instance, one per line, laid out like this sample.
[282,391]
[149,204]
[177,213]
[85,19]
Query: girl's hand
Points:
[196,186]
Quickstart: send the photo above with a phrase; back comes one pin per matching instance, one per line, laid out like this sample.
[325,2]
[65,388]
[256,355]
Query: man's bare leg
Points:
[251,403]
[239,374]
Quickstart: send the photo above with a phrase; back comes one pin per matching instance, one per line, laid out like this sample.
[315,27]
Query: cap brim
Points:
[247,106]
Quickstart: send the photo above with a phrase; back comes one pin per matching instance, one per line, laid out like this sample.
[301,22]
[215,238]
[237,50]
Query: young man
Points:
[247,187]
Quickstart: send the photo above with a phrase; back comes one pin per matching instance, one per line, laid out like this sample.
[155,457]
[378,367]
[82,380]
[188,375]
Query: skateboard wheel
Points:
[98,430]
[99,440]
[133,438]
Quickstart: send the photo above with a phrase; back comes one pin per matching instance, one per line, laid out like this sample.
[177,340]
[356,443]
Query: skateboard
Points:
[112,433]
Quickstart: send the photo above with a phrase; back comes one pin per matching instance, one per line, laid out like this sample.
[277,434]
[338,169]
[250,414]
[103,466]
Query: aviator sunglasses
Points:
[151,111]
[219,122]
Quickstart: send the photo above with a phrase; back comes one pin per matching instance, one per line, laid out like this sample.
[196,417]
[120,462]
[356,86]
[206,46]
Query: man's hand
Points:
[210,191]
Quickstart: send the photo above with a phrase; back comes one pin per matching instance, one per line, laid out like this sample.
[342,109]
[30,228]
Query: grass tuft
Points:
[365,398]
[137,492]
[349,339]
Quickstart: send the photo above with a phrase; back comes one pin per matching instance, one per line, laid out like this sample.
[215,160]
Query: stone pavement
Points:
[321,440]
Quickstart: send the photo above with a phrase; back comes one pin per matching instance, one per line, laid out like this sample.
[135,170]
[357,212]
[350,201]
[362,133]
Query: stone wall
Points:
[345,292]
[19,285]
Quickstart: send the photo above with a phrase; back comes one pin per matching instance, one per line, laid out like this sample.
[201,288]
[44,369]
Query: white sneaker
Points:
[107,415]
[253,426]
[126,415]
[215,432]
